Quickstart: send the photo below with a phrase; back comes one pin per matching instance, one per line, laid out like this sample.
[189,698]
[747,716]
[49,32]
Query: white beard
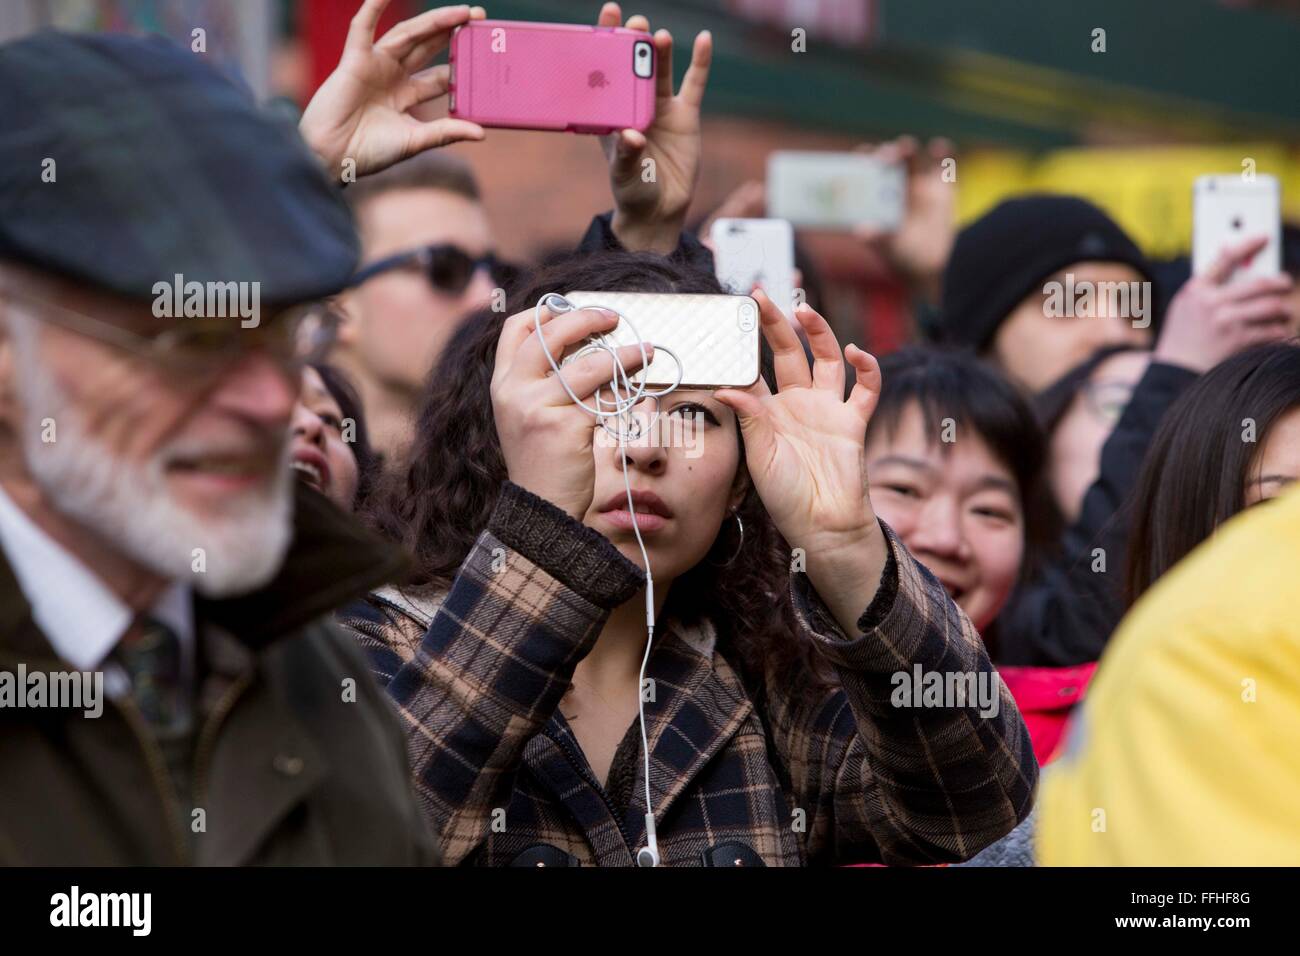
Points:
[131,507]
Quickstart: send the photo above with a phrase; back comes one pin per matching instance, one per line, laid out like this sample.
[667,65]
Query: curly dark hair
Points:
[439,504]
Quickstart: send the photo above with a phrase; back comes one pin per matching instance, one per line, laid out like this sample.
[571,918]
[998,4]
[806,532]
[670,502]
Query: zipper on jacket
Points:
[153,758]
[208,734]
[584,771]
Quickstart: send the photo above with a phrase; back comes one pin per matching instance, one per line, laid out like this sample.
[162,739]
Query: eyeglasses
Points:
[299,335]
[1107,400]
[449,268]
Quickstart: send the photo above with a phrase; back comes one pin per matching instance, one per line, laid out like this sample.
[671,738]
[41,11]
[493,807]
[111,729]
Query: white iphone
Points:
[750,252]
[1226,210]
[715,337]
[823,190]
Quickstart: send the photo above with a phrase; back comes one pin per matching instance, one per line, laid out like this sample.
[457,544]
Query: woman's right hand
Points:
[547,440]
[362,111]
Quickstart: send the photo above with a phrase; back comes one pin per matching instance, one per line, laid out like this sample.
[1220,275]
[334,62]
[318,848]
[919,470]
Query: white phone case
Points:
[1226,210]
[824,190]
[716,337]
[749,252]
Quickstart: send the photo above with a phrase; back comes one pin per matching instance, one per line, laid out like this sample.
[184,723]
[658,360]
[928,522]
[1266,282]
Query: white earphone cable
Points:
[626,396]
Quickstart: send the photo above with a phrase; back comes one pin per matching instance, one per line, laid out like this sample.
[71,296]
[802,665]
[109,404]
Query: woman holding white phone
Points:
[775,736]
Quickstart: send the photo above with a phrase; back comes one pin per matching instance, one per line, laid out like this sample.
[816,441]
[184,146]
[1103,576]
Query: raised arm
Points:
[900,777]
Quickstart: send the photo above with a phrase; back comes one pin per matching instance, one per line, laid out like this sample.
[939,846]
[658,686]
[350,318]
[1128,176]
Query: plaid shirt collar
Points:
[699,704]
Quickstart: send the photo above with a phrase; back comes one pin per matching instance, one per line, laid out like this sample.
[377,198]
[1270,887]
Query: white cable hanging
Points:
[626,395]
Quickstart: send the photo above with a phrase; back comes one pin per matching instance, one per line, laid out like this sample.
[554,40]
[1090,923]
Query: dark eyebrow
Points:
[918,464]
[1275,479]
[994,482]
[998,483]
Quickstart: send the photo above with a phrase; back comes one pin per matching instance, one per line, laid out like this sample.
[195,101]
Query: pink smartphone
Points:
[552,76]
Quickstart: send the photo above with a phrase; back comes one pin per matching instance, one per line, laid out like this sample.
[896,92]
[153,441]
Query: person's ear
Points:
[348,309]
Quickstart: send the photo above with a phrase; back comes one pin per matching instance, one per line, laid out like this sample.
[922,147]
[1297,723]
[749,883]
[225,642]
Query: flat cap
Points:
[125,161]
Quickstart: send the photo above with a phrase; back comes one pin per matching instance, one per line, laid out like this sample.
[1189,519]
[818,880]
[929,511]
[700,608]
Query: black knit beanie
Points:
[1008,252]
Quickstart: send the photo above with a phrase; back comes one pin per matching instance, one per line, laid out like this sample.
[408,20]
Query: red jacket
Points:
[1046,696]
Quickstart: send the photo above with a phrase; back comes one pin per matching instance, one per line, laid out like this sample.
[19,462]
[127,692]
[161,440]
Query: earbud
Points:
[648,855]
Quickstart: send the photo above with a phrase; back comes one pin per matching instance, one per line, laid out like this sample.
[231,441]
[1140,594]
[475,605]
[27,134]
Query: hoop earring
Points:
[740,546]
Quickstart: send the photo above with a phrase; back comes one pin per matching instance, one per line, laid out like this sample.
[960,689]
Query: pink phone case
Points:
[550,76]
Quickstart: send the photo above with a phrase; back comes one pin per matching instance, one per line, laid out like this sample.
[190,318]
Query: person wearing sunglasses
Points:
[428,261]
[152,537]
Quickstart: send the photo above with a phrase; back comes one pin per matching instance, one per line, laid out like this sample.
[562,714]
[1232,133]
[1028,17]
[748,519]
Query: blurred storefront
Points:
[1124,102]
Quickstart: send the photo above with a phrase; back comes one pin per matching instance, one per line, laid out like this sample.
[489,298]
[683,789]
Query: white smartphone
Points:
[716,337]
[750,252]
[822,190]
[1227,209]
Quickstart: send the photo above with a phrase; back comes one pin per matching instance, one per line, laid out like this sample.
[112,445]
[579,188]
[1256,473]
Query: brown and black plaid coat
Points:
[835,776]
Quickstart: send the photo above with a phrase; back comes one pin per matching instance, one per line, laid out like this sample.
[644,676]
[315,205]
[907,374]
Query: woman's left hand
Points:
[650,211]
[805,451]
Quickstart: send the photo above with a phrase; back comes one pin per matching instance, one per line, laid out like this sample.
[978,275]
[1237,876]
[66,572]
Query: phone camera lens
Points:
[642,64]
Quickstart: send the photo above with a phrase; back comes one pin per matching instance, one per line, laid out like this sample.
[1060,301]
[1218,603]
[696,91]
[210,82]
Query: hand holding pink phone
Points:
[552,76]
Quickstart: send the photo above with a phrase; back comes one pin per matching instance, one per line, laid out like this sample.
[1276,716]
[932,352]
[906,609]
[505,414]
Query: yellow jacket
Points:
[1187,749]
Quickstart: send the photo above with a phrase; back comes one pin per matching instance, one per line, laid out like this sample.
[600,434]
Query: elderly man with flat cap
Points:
[162,248]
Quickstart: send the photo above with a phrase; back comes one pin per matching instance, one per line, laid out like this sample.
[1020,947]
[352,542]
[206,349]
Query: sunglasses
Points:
[448,268]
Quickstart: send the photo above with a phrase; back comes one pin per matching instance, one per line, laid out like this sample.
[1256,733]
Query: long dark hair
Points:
[1196,473]
[441,502]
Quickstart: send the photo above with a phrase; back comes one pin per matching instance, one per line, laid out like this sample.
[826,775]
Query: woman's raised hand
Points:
[650,200]
[362,110]
[805,451]
[547,440]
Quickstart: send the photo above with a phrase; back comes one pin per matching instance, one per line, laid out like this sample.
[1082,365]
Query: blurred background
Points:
[1182,87]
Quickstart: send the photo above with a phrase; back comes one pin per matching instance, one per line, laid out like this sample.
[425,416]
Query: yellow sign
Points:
[1148,189]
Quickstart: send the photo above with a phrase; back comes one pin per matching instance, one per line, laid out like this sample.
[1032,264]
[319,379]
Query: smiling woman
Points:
[956,464]
[955,455]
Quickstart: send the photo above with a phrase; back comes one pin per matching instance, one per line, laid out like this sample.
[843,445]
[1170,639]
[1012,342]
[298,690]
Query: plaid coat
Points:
[835,776]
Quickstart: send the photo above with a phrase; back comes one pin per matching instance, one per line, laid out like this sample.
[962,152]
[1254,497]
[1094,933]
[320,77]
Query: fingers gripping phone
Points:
[756,252]
[716,337]
[552,76]
[824,190]
[1228,209]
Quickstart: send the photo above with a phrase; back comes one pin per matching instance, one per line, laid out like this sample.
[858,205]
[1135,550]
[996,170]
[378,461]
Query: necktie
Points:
[150,653]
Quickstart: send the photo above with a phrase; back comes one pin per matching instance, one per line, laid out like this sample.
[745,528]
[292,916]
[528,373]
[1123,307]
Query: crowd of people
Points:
[362,581]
